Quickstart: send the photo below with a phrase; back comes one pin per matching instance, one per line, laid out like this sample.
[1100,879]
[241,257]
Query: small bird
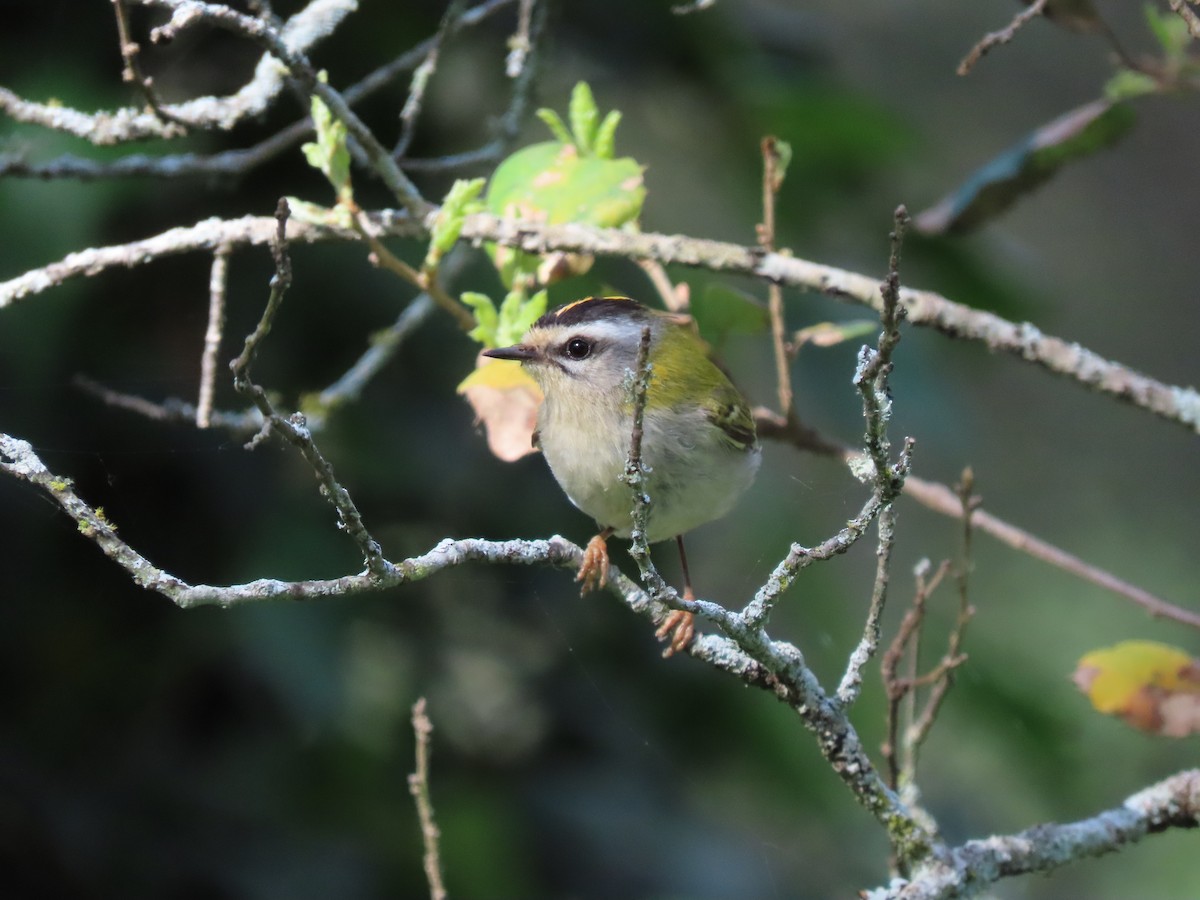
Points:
[699,447]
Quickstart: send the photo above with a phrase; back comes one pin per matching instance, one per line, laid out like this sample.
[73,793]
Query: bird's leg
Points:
[593,571]
[679,626]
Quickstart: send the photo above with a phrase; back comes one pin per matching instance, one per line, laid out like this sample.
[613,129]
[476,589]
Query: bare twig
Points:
[18,459]
[520,45]
[132,73]
[747,653]
[172,410]
[294,428]
[674,298]
[383,347]
[1172,803]
[1003,36]
[941,678]
[872,378]
[1185,12]
[851,683]
[635,476]
[923,308]
[771,182]
[424,279]
[308,26]
[241,161]
[297,64]
[941,499]
[898,690]
[212,335]
[418,786]
[759,609]
[421,76]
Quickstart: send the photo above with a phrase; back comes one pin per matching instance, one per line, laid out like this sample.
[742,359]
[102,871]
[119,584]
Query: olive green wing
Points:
[728,410]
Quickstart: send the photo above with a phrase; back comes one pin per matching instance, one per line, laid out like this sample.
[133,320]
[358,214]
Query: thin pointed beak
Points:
[519,352]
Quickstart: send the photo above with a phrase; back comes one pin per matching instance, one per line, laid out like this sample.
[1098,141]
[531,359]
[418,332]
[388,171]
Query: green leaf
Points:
[606,134]
[329,153]
[555,123]
[584,116]
[783,159]
[447,226]
[720,311]
[315,214]
[1128,84]
[1170,31]
[517,314]
[1021,169]
[486,318]
[552,183]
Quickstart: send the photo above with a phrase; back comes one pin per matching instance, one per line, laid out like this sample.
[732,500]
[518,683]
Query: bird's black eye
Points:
[577,348]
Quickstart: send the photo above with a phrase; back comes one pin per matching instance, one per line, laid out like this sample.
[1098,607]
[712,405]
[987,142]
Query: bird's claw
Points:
[678,629]
[593,571]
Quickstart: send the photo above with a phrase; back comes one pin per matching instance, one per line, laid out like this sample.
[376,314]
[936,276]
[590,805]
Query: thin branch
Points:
[384,344]
[941,499]
[634,476]
[941,678]
[217,281]
[758,610]
[303,30]
[771,181]
[899,690]
[172,410]
[418,786]
[187,12]
[520,45]
[508,127]
[132,72]
[421,75]
[1003,36]
[1188,15]
[424,279]
[872,378]
[241,161]
[966,870]
[924,308]
[747,653]
[294,429]
[18,459]
[675,298]
[851,683]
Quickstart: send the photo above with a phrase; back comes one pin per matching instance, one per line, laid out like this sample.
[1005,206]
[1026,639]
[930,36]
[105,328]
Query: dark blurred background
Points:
[262,752]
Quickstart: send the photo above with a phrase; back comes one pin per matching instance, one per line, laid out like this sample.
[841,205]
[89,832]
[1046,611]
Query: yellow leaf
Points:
[1153,687]
[506,401]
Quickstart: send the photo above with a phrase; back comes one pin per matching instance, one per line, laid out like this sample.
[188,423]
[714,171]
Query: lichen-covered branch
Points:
[966,870]
[923,308]
[300,33]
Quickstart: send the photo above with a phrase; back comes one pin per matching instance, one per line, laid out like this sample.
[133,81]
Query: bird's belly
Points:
[687,486]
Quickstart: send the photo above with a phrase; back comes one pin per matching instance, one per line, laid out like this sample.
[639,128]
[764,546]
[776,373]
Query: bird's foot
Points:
[678,628]
[593,571]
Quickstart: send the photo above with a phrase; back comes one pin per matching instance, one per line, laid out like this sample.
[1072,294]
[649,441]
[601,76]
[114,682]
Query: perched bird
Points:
[698,446]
